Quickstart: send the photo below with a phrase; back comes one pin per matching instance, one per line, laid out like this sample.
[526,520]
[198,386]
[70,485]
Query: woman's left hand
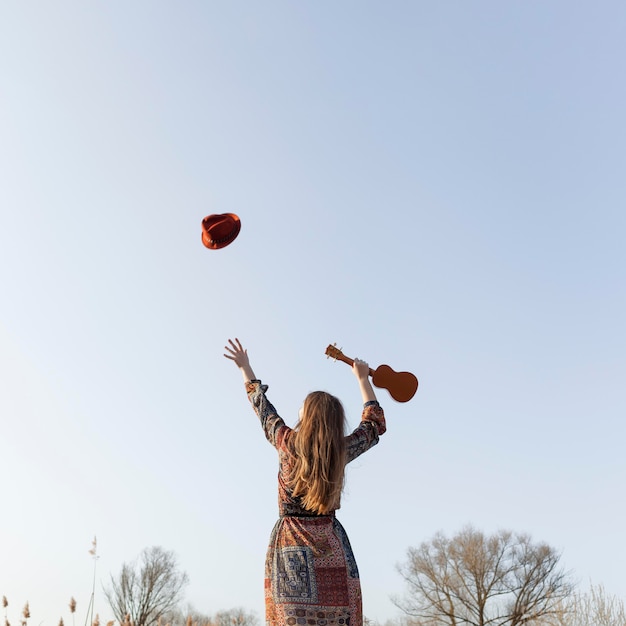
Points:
[238,353]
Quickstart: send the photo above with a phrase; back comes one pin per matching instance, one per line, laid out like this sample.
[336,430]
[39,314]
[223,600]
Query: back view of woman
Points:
[311,577]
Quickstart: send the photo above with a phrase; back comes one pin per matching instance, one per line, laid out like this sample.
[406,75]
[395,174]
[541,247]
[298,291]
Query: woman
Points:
[311,577]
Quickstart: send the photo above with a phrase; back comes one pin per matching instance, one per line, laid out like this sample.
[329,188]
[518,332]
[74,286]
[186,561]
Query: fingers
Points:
[235,350]
[360,369]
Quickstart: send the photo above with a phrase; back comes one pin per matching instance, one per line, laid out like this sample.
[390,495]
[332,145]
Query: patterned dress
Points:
[311,577]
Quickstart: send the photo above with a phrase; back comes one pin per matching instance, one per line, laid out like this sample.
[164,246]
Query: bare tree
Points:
[592,608]
[191,617]
[235,617]
[144,592]
[478,580]
[188,616]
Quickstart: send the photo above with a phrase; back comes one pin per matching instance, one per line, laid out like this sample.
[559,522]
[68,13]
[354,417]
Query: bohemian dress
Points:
[311,577]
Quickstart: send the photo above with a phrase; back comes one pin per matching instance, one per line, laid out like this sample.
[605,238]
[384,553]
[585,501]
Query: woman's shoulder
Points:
[285,440]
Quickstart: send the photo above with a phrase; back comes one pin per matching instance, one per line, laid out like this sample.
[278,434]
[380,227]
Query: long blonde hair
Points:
[319,446]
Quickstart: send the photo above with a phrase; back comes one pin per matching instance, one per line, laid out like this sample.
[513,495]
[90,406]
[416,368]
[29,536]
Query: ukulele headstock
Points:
[333,352]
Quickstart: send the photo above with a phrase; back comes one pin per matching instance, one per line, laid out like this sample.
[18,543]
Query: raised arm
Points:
[272,424]
[362,372]
[239,355]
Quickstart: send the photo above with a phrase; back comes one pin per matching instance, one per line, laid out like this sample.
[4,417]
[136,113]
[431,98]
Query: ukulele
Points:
[401,385]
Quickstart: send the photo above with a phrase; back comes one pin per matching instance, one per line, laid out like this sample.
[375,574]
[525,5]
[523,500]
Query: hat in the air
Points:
[218,230]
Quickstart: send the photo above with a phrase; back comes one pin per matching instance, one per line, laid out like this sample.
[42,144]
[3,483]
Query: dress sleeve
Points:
[366,434]
[273,425]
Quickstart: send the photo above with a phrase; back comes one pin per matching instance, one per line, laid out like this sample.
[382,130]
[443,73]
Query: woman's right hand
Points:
[360,369]
[362,372]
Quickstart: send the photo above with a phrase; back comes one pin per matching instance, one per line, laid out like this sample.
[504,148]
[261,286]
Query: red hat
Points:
[219,230]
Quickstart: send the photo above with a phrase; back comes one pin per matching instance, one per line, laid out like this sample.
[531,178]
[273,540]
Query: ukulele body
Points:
[401,385]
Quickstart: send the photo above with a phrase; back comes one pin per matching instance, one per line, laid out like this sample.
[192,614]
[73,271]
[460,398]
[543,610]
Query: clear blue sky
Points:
[438,186]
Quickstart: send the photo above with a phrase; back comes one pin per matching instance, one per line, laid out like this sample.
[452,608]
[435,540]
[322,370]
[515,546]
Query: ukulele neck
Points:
[346,359]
